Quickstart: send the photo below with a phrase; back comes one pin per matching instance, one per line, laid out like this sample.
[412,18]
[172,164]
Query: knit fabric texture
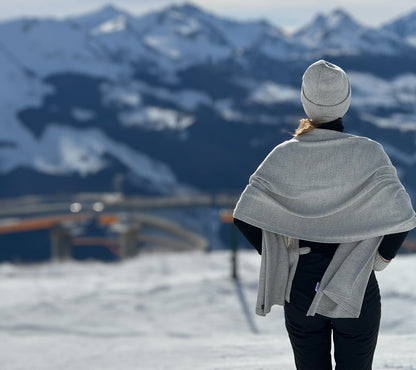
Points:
[326,92]
[379,263]
[329,187]
[342,288]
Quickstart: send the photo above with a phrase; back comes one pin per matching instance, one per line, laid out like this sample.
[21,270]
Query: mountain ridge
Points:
[187,90]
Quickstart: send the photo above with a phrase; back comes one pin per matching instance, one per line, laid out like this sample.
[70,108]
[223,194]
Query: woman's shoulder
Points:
[366,141]
[329,140]
[330,135]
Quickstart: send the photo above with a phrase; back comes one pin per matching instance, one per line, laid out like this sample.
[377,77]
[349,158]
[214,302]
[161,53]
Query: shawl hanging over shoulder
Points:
[331,187]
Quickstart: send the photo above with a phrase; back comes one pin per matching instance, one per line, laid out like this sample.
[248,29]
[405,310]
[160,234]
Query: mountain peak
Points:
[404,26]
[101,15]
[337,20]
[108,10]
[340,17]
[187,7]
[191,10]
[339,12]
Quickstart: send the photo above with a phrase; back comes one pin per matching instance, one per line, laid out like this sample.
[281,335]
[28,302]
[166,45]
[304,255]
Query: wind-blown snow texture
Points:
[169,311]
[185,91]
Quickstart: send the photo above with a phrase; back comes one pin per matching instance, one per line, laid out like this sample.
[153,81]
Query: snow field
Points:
[169,311]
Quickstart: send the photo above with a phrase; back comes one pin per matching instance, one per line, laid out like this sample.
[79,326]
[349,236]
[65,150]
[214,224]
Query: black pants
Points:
[354,339]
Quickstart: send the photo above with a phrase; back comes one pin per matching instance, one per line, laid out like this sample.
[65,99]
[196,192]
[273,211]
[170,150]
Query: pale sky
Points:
[287,14]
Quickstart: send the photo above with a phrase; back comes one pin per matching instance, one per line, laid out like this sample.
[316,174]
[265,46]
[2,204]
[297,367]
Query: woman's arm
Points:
[387,249]
[390,245]
[252,233]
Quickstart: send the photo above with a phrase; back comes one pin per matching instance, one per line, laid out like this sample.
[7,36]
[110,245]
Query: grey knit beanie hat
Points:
[326,92]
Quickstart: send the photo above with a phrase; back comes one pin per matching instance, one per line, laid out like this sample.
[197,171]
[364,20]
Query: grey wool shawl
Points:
[331,187]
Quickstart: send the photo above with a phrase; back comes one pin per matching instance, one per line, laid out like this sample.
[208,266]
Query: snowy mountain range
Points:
[182,99]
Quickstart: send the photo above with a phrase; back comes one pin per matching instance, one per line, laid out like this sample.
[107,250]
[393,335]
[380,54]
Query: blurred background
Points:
[123,110]
[127,132]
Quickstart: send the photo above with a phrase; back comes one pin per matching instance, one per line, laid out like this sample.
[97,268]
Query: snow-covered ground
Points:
[169,311]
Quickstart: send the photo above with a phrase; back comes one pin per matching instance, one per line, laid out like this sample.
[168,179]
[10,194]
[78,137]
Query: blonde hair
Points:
[305,125]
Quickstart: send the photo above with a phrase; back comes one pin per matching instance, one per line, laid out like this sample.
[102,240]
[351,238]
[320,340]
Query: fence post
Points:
[227,217]
[61,243]
[128,241]
[128,230]
[234,249]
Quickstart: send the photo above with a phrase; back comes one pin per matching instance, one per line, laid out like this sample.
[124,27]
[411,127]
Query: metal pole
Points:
[61,244]
[226,216]
[234,249]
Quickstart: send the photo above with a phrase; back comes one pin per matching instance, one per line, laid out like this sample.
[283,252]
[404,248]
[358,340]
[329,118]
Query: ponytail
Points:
[305,126]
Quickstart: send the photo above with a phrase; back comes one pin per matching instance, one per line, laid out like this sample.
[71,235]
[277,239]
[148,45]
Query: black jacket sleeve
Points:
[391,244]
[252,233]
[387,249]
